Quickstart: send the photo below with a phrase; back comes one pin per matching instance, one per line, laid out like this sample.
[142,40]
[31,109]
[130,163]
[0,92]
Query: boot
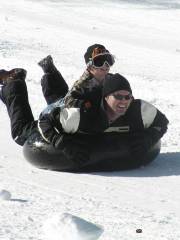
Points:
[8,76]
[2,74]
[47,64]
[14,74]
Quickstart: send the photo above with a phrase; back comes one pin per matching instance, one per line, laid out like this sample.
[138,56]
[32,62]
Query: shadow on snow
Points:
[166,164]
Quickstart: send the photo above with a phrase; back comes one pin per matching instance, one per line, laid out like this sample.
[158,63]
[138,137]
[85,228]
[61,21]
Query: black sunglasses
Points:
[122,97]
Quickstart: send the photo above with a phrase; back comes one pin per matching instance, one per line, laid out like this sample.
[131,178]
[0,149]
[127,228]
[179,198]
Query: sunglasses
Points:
[122,97]
[102,59]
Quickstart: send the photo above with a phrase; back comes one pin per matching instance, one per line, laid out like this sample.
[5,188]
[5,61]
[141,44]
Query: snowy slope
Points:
[145,38]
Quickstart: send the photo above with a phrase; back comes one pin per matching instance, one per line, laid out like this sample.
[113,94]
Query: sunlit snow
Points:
[144,36]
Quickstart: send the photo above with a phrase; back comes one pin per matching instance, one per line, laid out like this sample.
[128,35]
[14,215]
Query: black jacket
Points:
[142,121]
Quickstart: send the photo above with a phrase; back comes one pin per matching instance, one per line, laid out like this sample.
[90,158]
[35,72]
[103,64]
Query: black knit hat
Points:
[115,82]
[88,53]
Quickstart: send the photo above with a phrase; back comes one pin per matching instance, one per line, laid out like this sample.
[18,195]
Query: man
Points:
[117,112]
[98,62]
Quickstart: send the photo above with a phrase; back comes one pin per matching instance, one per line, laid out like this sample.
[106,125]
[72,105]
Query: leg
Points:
[53,87]
[52,82]
[15,97]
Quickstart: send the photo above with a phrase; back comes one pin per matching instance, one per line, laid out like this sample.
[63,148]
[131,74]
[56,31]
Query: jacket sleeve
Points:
[78,97]
[155,122]
[57,122]
[154,127]
[87,88]
[49,125]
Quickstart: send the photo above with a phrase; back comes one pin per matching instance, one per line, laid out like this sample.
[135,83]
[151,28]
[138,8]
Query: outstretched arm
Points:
[155,126]
[85,89]
[158,128]
[54,125]
[155,122]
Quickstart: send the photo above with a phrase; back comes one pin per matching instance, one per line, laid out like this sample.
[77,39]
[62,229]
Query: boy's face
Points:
[119,101]
[99,73]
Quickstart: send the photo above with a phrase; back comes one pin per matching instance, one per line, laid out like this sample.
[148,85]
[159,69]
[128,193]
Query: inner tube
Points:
[104,152]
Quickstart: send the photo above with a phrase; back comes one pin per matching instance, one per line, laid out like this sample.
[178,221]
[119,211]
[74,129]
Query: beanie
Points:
[115,82]
[88,54]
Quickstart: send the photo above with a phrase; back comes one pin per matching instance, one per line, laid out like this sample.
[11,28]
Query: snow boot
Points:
[2,74]
[8,76]
[47,64]
[14,74]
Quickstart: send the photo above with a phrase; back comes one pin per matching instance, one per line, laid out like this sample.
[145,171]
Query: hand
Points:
[74,147]
[61,140]
[140,145]
[77,154]
[137,149]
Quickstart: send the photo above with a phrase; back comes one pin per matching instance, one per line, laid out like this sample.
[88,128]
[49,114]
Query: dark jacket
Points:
[142,122]
[86,88]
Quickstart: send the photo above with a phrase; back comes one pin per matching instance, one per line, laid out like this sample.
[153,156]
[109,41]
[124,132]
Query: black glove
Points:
[73,147]
[77,153]
[140,145]
[62,140]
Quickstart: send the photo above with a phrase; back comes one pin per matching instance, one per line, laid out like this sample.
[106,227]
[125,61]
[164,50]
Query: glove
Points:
[140,145]
[73,147]
[60,140]
[77,154]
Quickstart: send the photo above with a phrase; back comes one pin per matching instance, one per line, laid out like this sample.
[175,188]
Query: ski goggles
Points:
[122,97]
[102,59]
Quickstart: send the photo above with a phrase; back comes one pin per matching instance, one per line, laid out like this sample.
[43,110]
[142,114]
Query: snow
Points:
[60,227]
[5,195]
[145,38]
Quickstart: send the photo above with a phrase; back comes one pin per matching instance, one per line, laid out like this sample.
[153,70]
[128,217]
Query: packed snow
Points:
[144,36]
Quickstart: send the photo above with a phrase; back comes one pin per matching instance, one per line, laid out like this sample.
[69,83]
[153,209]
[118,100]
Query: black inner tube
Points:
[104,152]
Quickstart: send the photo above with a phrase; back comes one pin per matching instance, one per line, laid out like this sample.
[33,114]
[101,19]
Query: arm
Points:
[85,89]
[154,127]
[158,127]
[55,124]
[57,128]
[155,122]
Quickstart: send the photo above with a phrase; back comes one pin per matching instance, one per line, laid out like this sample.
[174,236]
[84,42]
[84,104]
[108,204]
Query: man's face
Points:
[100,73]
[119,101]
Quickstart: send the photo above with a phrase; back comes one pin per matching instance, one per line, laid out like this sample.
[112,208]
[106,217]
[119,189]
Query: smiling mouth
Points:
[121,107]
